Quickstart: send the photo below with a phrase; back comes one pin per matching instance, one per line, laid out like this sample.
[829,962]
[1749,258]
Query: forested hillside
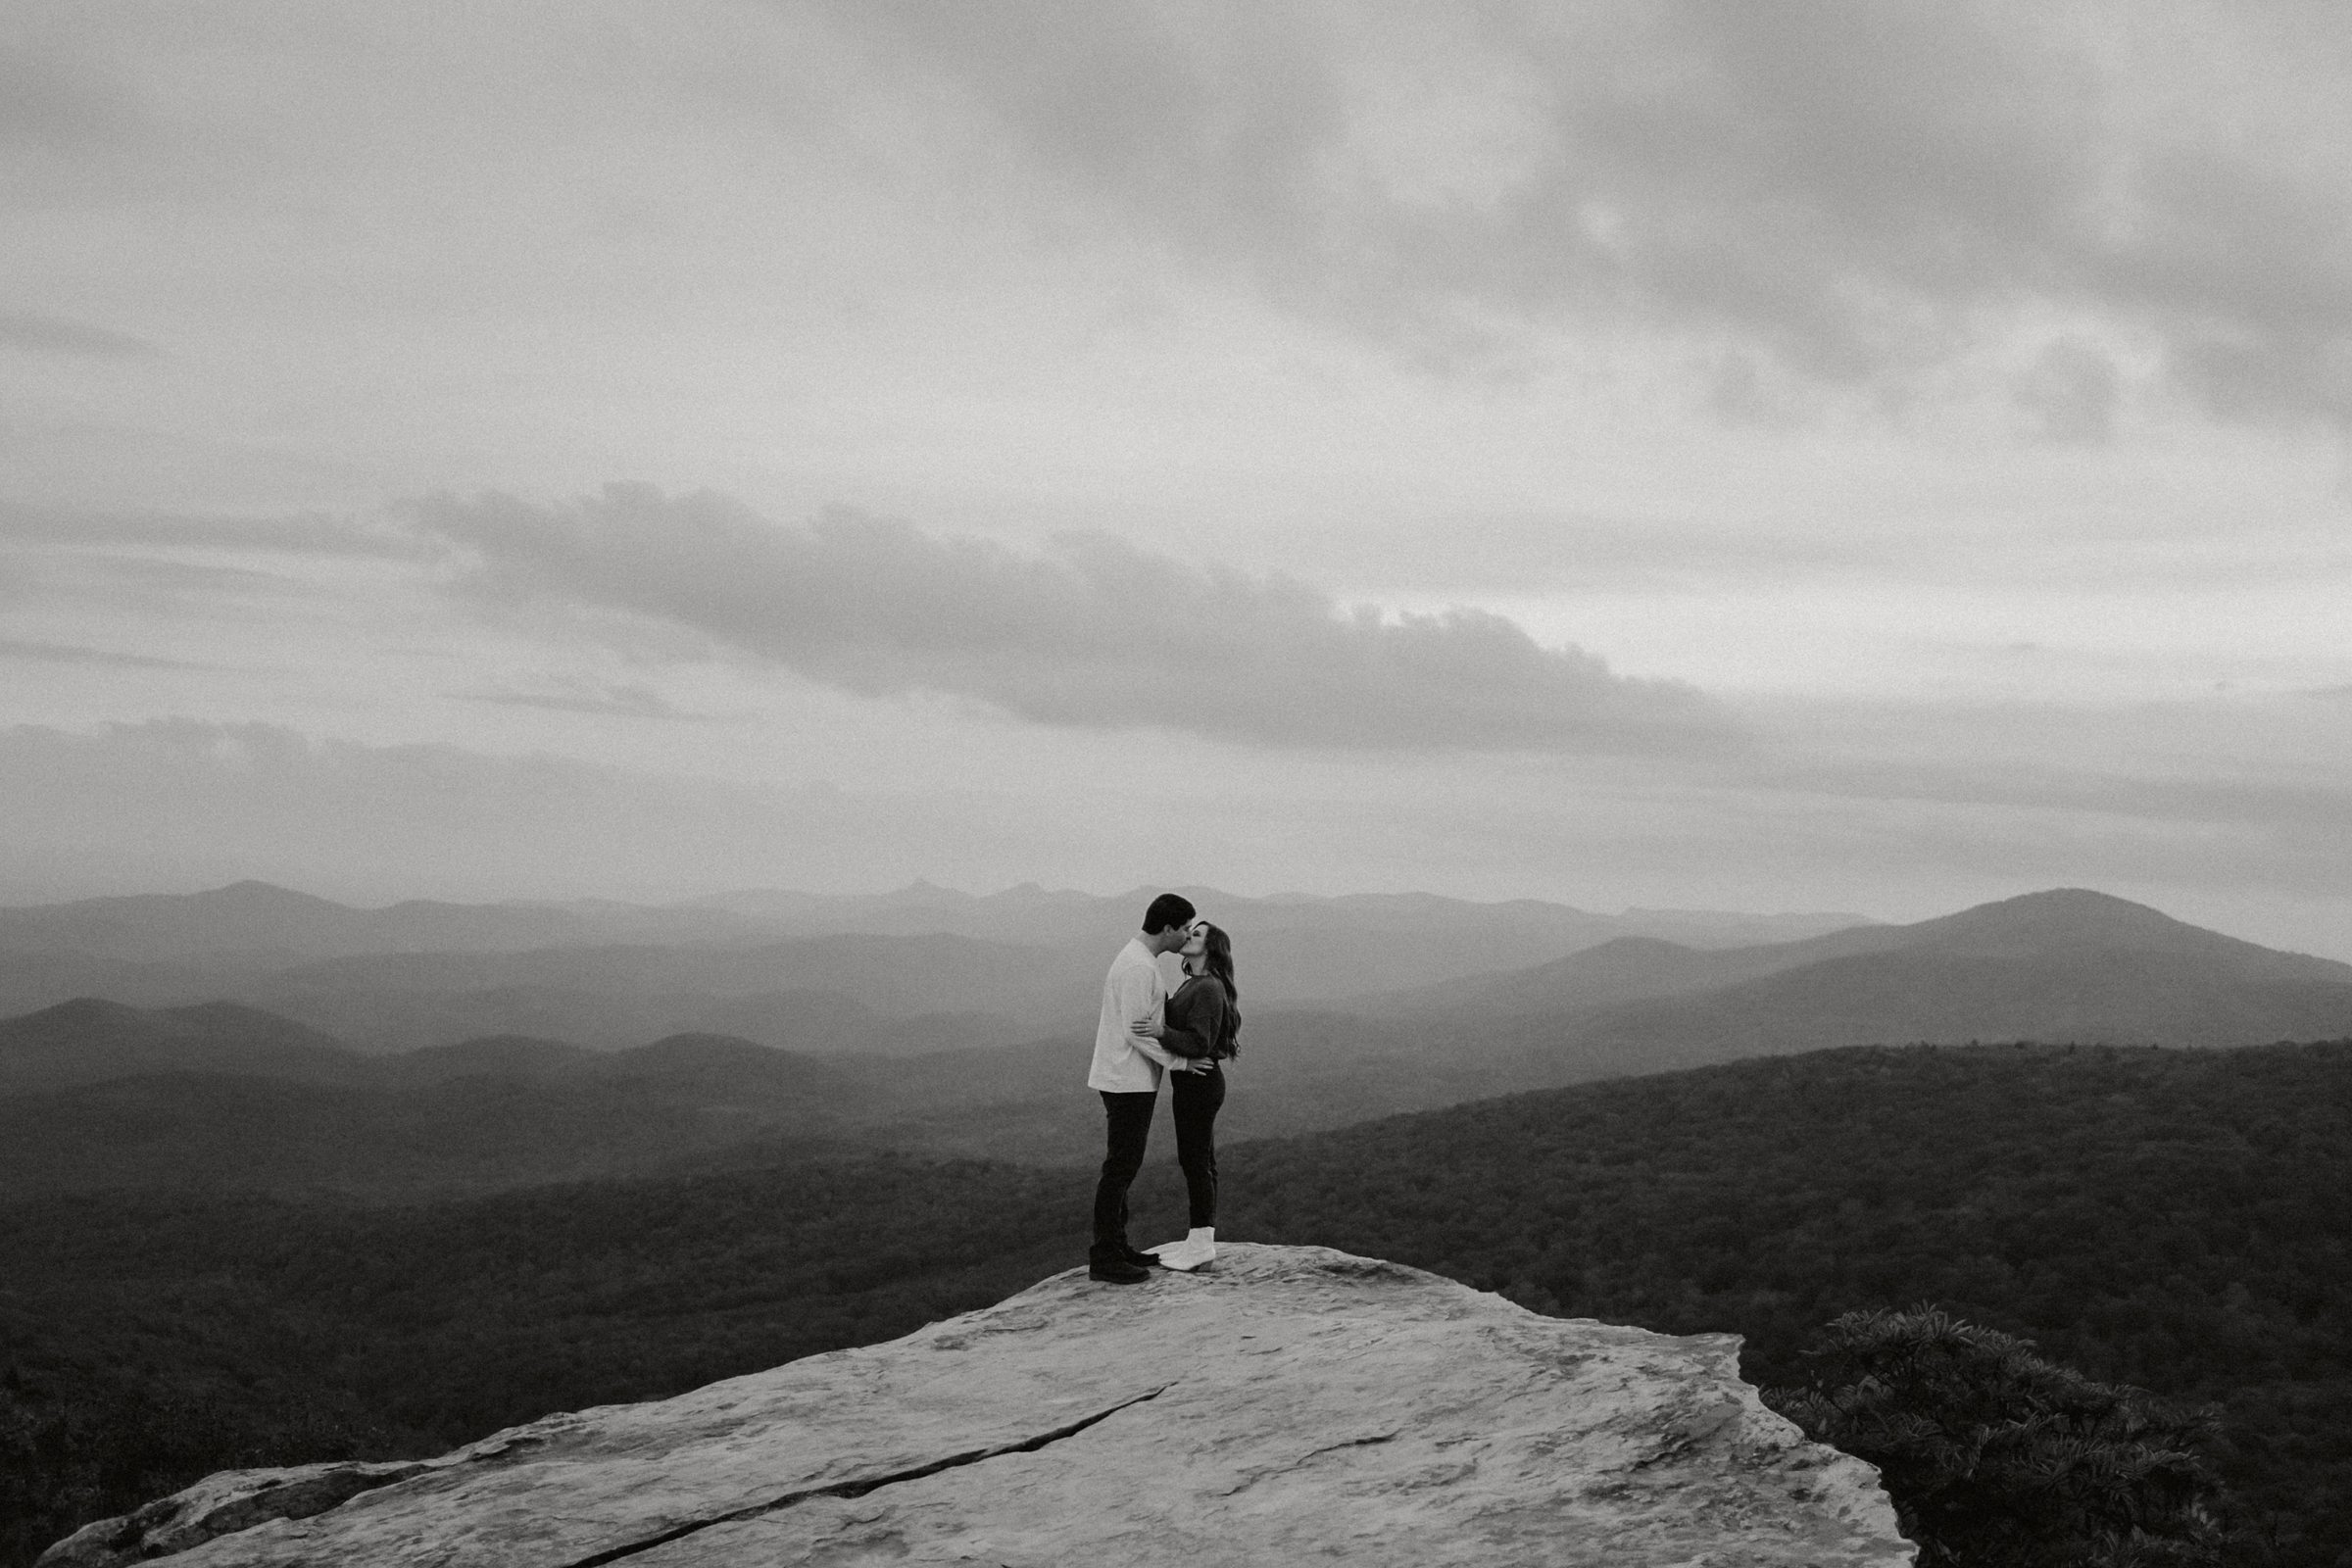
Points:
[146,1340]
[2165,1218]
[2172,1219]
[95,1097]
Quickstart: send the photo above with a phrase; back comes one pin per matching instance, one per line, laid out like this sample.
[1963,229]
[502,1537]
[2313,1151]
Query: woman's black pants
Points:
[1198,1096]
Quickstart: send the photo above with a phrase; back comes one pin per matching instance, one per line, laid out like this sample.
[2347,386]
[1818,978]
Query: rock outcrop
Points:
[1295,1404]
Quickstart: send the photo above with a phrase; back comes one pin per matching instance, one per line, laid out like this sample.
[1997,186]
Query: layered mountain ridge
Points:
[96,1092]
[922,969]
[2067,965]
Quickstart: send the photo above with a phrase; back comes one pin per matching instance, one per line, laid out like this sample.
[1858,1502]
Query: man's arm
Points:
[1185,1042]
[1139,998]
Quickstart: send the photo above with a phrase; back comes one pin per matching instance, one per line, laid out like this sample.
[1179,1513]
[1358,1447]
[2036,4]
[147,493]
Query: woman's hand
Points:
[1151,1028]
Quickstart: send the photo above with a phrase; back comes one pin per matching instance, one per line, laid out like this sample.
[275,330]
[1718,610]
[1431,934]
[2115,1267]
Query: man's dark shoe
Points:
[1117,1271]
[1144,1259]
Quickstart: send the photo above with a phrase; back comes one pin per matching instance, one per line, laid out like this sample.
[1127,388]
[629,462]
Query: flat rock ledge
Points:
[1294,1404]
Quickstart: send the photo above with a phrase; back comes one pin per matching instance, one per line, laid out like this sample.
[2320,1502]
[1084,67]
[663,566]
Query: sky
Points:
[1859,455]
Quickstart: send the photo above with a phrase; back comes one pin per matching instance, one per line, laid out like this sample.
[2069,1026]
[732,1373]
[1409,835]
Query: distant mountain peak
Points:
[928,891]
[92,1041]
[707,1039]
[2078,912]
[2076,921]
[2077,900]
[1629,945]
[253,892]
[82,1010]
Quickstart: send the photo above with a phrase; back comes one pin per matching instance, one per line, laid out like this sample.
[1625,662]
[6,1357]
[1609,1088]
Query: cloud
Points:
[52,94]
[67,653]
[581,696]
[54,334]
[181,802]
[178,803]
[302,533]
[2305,816]
[2071,392]
[1849,192]
[1096,635]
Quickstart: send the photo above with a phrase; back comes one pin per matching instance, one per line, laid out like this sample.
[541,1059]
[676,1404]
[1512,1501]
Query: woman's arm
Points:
[1185,1035]
[1226,1023]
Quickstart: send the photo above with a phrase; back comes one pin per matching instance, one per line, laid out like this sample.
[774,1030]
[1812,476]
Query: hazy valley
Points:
[380,1198]
[557,1064]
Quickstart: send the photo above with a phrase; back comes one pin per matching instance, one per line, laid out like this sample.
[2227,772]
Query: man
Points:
[1126,1073]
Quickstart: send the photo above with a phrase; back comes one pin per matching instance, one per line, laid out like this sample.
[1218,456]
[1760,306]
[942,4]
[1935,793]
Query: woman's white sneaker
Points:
[1196,1251]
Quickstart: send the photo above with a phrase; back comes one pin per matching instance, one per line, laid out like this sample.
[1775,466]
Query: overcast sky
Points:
[1870,456]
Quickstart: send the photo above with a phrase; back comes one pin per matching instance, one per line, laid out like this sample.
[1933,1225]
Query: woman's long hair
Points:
[1216,959]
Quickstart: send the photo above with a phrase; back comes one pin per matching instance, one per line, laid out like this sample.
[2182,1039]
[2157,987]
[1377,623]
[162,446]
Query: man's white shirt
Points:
[1126,1062]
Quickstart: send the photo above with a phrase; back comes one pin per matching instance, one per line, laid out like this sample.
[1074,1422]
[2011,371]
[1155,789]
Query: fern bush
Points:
[1998,1458]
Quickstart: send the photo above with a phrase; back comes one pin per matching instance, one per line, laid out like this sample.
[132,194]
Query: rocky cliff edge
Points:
[1294,1404]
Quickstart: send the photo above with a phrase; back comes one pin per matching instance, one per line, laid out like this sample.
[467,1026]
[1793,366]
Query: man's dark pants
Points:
[1127,1120]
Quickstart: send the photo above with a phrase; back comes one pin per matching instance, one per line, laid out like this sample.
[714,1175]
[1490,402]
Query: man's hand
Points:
[1150,1028]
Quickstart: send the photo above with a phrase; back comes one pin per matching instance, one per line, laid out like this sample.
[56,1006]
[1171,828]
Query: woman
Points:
[1204,1025]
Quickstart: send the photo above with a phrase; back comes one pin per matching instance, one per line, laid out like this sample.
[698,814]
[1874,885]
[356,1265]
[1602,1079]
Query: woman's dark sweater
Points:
[1201,1019]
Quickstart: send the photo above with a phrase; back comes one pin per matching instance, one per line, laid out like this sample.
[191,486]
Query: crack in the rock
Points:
[1255,1475]
[1352,1442]
[860,1488]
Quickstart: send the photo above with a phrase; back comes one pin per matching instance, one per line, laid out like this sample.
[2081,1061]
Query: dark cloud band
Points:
[51,334]
[302,534]
[16,649]
[1096,635]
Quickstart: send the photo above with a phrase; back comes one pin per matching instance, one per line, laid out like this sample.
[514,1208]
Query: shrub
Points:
[1996,1458]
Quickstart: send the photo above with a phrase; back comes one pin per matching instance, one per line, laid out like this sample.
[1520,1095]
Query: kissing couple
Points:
[1144,1032]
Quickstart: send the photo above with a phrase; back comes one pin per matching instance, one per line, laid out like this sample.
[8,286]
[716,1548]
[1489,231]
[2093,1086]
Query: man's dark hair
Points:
[1169,908]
